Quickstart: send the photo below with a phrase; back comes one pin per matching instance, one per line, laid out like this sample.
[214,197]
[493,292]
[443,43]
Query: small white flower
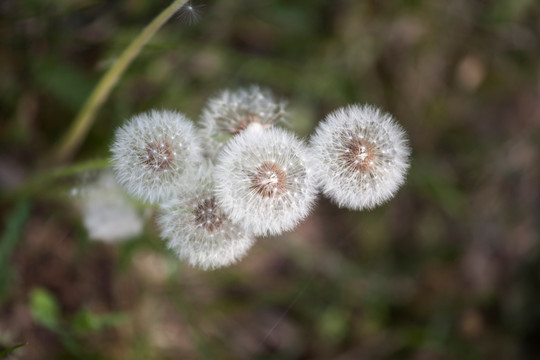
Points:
[230,112]
[361,156]
[107,212]
[199,231]
[263,180]
[155,153]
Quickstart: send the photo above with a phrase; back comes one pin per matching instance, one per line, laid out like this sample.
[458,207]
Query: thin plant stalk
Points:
[86,116]
[43,179]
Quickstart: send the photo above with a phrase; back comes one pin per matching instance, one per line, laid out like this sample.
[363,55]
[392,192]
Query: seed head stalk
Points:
[85,118]
[42,179]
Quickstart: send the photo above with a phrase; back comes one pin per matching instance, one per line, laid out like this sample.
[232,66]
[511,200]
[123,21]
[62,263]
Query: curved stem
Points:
[85,118]
[41,180]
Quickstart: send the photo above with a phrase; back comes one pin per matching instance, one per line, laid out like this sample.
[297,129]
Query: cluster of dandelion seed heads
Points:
[198,230]
[154,153]
[361,156]
[240,175]
[264,181]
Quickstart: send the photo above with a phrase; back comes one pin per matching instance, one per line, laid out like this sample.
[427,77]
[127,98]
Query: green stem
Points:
[85,118]
[42,179]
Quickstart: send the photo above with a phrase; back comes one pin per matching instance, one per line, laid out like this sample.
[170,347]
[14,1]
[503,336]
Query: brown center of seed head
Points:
[159,156]
[244,121]
[269,180]
[359,154]
[208,214]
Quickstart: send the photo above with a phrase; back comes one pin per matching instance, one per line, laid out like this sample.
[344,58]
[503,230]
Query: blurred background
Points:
[448,269]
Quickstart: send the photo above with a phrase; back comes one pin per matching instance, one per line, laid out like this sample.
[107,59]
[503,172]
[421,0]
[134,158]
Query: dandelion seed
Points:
[361,156]
[154,153]
[255,180]
[190,13]
[199,231]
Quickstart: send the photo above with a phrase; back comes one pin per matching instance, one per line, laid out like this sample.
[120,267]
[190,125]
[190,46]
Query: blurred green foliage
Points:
[10,236]
[449,269]
[44,308]
[4,353]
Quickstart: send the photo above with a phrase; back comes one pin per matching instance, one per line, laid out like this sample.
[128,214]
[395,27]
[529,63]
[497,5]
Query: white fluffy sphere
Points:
[263,180]
[154,154]
[108,214]
[361,156]
[200,232]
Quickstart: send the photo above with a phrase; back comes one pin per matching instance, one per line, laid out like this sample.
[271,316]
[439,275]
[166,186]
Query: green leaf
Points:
[88,321]
[63,81]
[44,308]
[8,242]
[6,352]
[333,324]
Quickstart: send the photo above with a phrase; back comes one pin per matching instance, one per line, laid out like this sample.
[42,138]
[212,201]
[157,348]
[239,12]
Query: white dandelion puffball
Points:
[155,153]
[263,180]
[107,212]
[230,112]
[198,231]
[361,156]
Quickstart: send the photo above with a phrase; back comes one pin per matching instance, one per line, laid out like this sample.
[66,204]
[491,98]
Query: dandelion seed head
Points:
[154,152]
[263,181]
[108,214]
[231,112]
[361,156]
[198,231]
